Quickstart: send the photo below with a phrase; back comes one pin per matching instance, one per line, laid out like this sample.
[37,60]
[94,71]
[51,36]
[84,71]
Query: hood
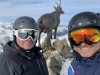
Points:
[12,47]
[8,46]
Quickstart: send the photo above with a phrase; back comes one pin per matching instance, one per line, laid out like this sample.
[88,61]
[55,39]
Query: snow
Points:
[6,35]
[65,65]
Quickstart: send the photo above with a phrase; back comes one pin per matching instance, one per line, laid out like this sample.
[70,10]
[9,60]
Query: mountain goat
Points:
[50,21]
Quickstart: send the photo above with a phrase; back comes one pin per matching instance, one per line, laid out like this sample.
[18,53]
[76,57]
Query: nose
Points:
[63,12]
[30,38]
[83,44]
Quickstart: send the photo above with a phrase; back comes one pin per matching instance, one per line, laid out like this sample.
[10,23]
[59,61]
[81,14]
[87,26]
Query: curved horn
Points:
[60,3]
[57,3]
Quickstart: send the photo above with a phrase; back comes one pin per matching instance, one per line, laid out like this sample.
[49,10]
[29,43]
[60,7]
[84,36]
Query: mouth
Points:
[85,48]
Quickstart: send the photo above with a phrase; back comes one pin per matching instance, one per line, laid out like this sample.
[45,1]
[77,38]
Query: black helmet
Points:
[25,22]
[84,20]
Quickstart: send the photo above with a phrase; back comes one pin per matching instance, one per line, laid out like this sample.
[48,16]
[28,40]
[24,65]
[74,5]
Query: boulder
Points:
[54,56]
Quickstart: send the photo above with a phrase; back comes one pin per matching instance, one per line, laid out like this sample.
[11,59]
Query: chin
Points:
[27,48]
[86,56]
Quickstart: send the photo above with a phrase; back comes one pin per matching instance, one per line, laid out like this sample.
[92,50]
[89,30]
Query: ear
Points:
[35,42]
[14,38]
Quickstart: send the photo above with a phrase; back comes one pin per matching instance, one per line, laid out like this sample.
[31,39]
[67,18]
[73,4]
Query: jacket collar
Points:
[88,61]
[12,47]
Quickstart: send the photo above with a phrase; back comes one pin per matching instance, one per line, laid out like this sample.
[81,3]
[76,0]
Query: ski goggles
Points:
[86,35]
[24,34]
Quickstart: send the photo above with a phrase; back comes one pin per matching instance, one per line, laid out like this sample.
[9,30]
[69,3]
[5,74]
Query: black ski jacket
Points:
[14,61]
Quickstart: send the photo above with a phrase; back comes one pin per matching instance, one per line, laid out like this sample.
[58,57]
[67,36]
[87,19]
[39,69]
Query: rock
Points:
[55,64]
[45,45]
[63,48]
[55,57]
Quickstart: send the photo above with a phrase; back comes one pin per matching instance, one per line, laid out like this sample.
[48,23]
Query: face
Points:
[86,50]
[26,44]
[26,38]
[85,41]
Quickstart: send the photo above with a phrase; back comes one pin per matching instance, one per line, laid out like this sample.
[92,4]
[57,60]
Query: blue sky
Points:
[11,9]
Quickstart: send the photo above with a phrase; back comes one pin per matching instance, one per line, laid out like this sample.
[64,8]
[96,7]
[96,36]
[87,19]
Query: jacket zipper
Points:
[43,67]
[39,66]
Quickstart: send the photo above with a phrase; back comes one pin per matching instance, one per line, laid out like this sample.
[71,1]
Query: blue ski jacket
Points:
[85,66]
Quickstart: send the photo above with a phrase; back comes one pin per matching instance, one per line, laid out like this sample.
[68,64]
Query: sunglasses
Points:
[24,34]
[87,35]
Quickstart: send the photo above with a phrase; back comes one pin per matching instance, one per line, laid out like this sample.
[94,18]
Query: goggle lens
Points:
[87,35]
[24,34]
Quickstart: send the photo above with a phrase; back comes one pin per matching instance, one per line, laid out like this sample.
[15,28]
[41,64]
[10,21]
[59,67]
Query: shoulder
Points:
[37,49]
[74,62]
[39,53]
[9,64]
[8,60]
[8,57]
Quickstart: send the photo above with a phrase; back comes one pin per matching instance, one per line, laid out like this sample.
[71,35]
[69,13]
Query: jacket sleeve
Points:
[70,70]
[8,67]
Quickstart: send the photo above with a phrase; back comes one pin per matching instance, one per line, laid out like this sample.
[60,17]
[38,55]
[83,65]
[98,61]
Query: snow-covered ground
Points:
[6,35]
[65,65]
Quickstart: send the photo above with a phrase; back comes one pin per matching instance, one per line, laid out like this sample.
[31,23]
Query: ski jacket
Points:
[14,61]
[85,66]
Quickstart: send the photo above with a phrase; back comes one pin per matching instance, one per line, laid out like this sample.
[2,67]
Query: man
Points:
[21,56]
[84,38]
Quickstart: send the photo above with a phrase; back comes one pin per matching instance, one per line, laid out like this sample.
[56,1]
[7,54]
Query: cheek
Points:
[77,49]
[87,53]
[19,42]
[28,45]
[97,46]
[25,44]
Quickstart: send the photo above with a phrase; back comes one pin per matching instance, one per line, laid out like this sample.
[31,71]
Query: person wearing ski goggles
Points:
[21,56]
[84,38]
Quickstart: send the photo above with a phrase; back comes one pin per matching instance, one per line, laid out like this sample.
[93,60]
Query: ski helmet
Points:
[25,22]
[84,20]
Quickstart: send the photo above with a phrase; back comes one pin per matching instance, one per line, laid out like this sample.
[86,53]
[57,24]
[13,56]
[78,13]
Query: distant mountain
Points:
[5,33]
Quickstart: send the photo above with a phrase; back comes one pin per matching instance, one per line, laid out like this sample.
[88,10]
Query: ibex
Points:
[50,21]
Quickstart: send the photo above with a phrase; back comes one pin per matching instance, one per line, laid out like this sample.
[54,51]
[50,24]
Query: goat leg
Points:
[40,31]
[55,33]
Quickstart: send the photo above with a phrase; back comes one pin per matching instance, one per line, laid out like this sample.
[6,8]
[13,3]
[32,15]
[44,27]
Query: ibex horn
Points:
[60,3]
[57,3]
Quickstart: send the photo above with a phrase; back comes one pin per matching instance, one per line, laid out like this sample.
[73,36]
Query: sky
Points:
[12,9]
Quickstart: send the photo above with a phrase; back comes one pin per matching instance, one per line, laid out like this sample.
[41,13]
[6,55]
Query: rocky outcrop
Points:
[55,56]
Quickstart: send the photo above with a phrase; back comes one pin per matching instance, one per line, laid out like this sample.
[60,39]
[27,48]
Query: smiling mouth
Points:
[86,49]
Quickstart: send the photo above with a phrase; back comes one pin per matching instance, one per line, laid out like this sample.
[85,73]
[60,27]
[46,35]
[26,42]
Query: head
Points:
[84,33]
[58,8]
[25,31]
